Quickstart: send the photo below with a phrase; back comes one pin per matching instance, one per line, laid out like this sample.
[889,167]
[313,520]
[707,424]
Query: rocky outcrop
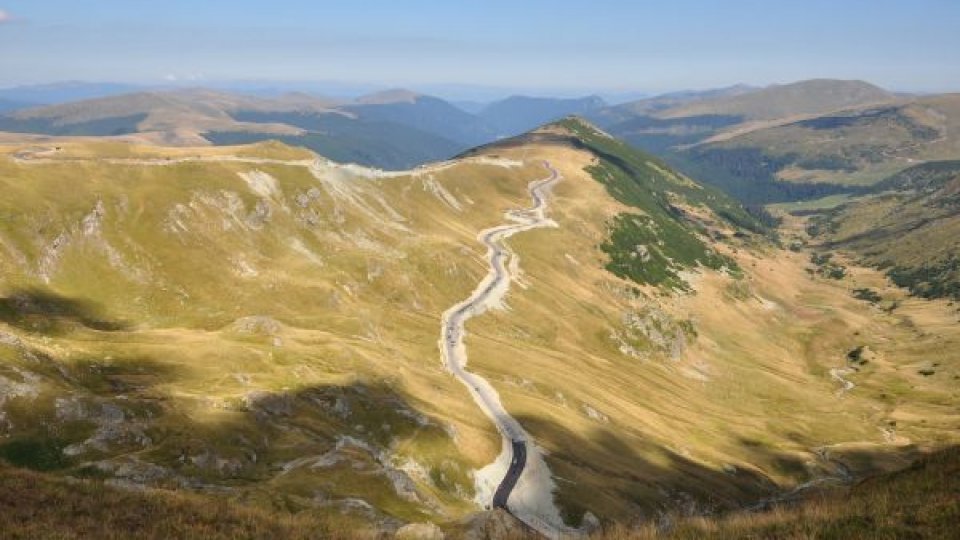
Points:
[494,524]
[420,531]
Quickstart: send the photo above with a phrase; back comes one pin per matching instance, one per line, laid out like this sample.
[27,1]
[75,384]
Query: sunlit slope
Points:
[841,151]
[714,395]
[910,228]
[261,325]
[261,322]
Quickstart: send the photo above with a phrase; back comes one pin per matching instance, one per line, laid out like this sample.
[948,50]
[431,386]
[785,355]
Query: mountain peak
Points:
[575,124]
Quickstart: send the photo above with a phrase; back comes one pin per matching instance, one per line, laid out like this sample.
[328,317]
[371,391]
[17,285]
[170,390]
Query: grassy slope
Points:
[922,501]
[665,425]
[828,154]
[375,142]
[909,228]
[34,505]
[671,243]
[346,342]
[651,247]
[132,313]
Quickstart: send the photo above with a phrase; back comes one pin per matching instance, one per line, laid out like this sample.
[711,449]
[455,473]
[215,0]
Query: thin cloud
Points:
[5,17]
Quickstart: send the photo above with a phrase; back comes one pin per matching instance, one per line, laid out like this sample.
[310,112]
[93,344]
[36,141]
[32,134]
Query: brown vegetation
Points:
[34,505]
[922,501]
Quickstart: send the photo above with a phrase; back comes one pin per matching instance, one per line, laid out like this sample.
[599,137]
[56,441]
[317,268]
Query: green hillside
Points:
[909,227]
[374,143]
[844,152]
[669,241]
[795,142]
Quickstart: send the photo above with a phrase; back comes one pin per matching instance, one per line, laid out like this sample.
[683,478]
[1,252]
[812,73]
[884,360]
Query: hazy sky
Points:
[546,44]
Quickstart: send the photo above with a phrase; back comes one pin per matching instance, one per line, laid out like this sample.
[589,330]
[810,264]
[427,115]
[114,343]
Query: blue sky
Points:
[557,45]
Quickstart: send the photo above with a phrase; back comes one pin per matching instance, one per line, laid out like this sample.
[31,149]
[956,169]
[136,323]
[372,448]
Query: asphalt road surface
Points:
[509,481]
[491,290]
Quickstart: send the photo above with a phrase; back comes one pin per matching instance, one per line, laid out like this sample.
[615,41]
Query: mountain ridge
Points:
[309,376]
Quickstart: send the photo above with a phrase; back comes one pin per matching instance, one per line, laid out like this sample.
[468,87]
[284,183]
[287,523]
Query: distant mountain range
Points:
[7,105]
[518,114]
[260,327]
[62,92]
[779,143]
[394,129]
[790,142]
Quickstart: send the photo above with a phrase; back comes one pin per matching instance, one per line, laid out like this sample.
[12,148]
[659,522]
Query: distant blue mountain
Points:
[519,114]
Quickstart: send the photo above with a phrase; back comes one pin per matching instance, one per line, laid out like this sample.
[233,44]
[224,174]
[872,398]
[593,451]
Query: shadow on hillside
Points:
[67,402]
[324,443]
[637,482]
[129,376]
[329,444]
[44,311]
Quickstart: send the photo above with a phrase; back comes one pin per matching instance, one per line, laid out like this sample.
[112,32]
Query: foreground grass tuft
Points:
[33,505]
[922,501]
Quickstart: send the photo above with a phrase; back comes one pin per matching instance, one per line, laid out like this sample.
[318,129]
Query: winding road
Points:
[489,293]
[520,467]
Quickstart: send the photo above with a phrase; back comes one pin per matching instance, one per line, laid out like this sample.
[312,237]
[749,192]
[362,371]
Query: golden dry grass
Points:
[920,502]
[626,433]
[34,505]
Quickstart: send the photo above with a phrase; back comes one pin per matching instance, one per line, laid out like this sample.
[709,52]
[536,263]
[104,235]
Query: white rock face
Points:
[261,183]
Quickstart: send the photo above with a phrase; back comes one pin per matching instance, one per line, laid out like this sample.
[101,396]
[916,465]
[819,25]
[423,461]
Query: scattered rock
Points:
[653,328]
[90,226]
[269,403]
[492,524]
[261,184]
[861,355]
[642,252]
[225,467]
[403,485]
[134,470]
[10,389]
[594,414]
[589,524]
[420,531]
[114,427]
[262,212]
[11,340]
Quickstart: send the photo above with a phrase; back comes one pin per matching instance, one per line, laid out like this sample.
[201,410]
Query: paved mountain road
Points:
[490,292]
[509,481]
